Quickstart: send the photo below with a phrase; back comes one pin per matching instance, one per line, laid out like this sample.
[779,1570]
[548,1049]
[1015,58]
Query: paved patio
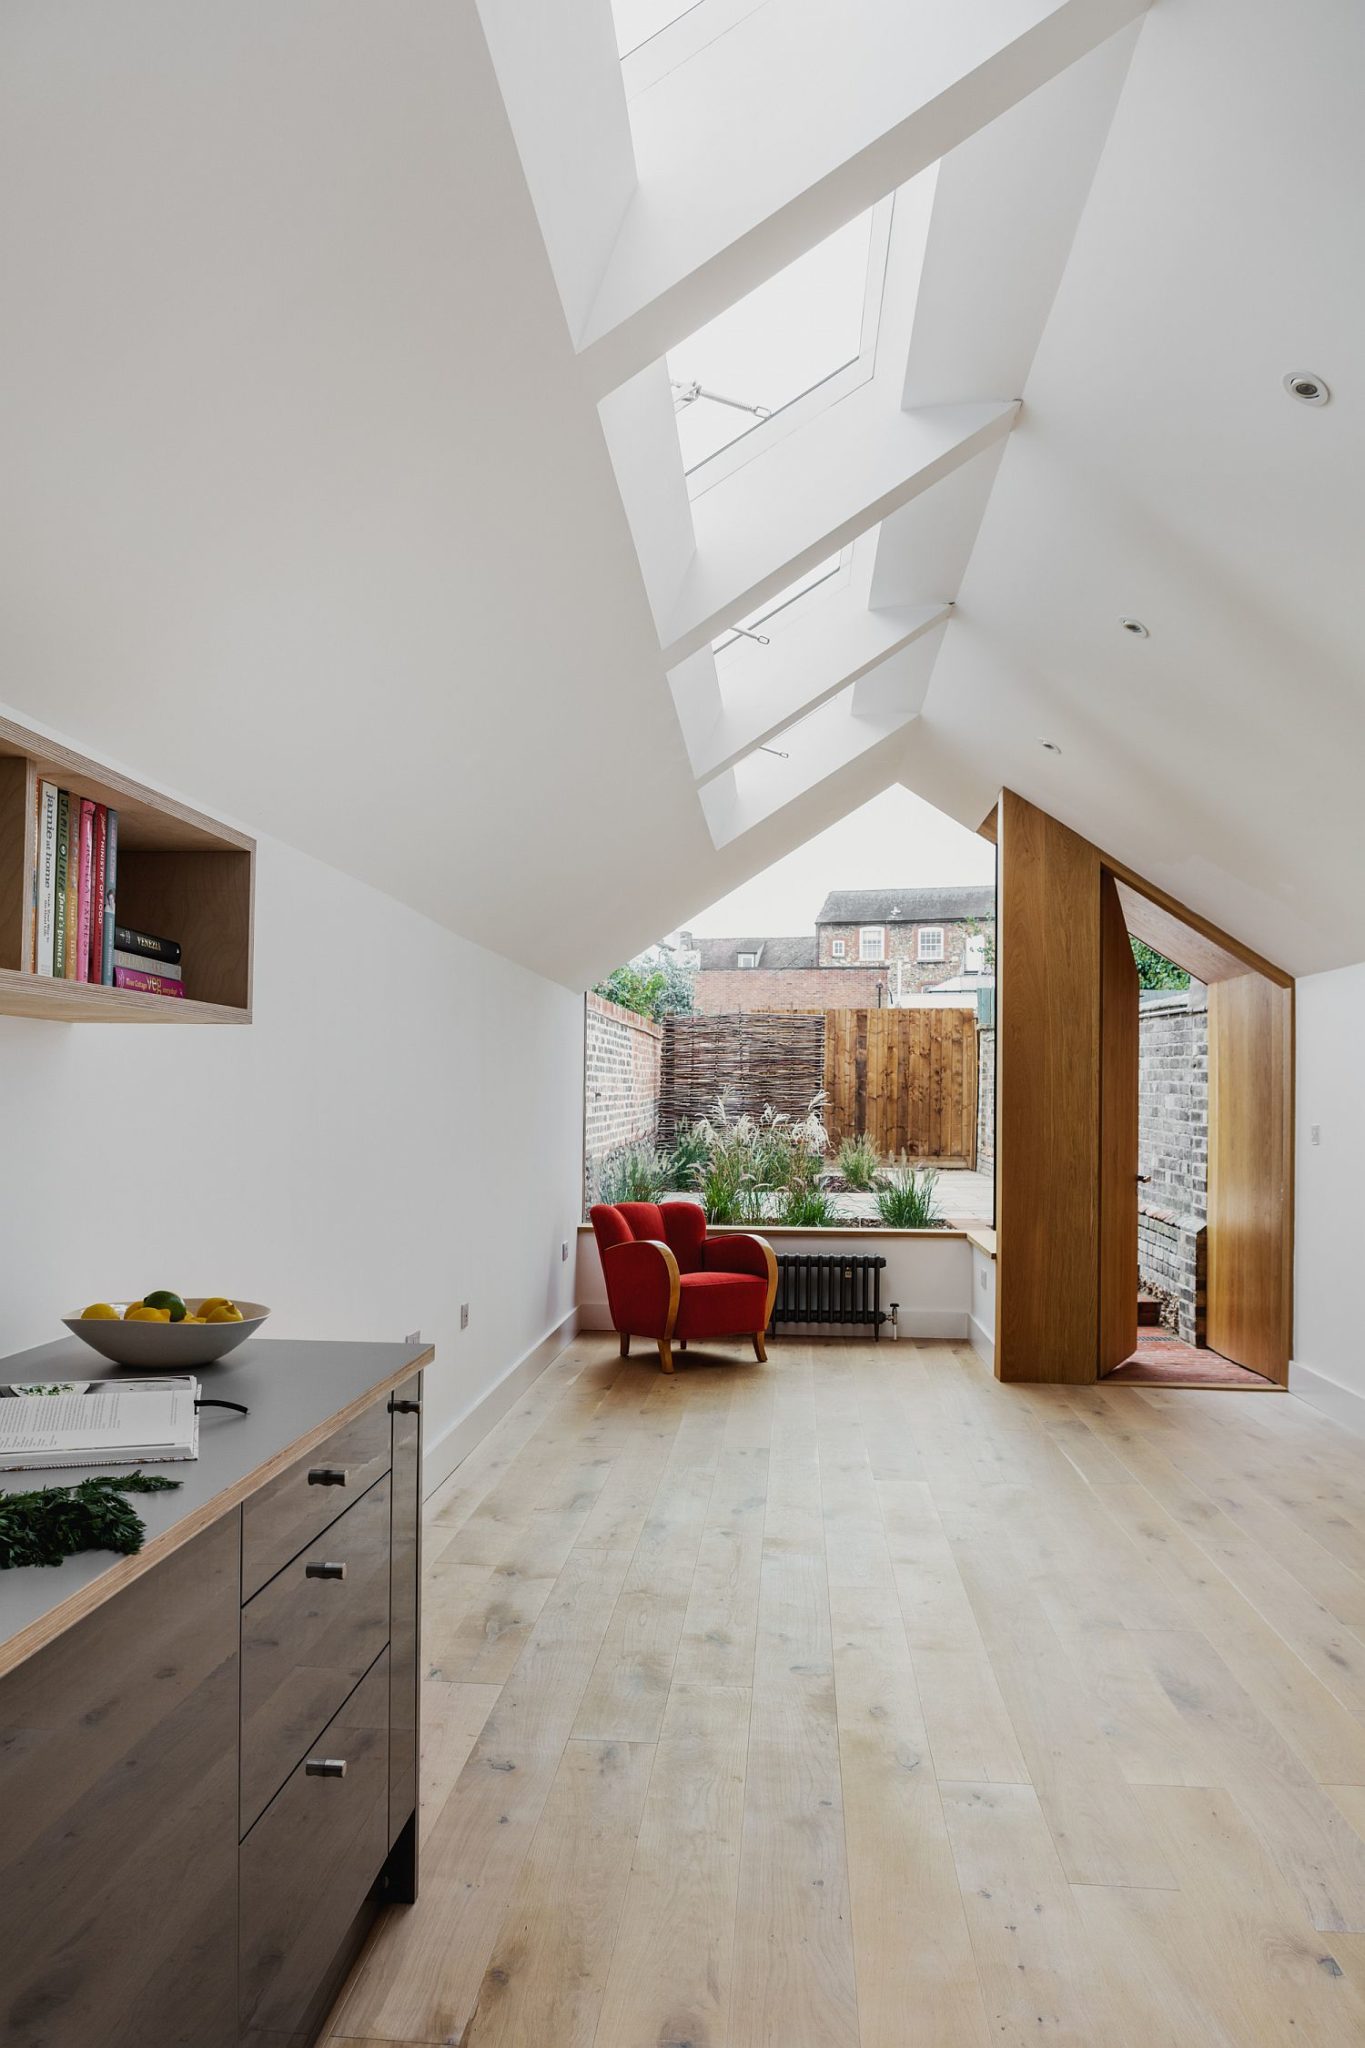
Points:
[963,1197]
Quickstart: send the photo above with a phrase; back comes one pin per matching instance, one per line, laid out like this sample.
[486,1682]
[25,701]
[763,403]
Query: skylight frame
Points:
[816,398]
[839,571]
[680,39]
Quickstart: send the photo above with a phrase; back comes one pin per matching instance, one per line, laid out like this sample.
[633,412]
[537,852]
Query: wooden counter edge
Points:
[85,1599]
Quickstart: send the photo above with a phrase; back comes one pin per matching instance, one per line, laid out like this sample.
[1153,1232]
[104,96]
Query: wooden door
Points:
[1118,1285]
[1250,1191]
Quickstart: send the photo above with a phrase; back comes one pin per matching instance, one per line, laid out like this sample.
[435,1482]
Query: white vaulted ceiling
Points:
[340,486]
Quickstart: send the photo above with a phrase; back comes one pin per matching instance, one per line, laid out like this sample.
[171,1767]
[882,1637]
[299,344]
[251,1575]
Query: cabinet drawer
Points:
[301,1503]
[307,1637]
[307,1866]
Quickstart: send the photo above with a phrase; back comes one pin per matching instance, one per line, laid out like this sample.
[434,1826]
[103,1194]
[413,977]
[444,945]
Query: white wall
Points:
[397,1132]
[1329,1335]
[929,1274]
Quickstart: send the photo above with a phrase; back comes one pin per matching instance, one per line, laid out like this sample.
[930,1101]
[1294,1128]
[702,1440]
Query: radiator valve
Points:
[895,1320]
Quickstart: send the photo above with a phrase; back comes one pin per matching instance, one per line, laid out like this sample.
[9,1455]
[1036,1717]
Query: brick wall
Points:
[621,1055]
[1173,1148]
[719,991]
[985,1100]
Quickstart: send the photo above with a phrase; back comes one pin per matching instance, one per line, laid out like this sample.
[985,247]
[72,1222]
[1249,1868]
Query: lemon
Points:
[214,1301]
[192,1319]
[225,1312]
[140,1313]
[98,1312]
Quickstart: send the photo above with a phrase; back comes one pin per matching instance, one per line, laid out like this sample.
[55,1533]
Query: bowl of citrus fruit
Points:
[167,1332]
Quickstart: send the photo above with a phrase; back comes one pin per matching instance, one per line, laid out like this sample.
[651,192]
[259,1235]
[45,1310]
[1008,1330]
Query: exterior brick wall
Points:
[901,942]
[985,1099]
[1173,1148]
[725,990]
[621,1056]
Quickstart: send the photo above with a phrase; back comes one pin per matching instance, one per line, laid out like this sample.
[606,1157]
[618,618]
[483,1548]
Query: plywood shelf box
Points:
[179,873]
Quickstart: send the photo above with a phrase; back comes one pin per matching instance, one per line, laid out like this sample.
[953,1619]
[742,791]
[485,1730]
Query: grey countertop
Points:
[297,1392]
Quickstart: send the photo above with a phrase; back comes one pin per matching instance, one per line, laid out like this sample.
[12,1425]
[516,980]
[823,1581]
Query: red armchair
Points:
[667,1279]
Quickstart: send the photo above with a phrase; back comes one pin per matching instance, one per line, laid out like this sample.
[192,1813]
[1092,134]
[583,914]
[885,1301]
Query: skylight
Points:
[784,340]
[770,621]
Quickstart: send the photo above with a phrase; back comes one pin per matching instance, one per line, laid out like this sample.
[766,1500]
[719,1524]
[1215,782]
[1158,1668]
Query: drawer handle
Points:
[325,1767]
[327,1475]
[405,1407]
[324,1571]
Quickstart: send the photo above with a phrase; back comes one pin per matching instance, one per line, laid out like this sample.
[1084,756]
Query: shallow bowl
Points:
[168,1347]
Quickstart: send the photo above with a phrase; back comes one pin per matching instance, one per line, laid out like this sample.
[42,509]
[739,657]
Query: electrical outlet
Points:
[1315,1134]
[464,1315]
[564,1248]
[413,1337]
[983,1279]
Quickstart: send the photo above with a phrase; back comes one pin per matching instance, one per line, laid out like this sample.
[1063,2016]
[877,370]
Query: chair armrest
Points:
[642,1287]
[743,1253]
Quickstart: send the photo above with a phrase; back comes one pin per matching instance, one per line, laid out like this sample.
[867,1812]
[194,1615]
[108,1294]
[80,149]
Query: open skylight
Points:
[762,627]
[799,341]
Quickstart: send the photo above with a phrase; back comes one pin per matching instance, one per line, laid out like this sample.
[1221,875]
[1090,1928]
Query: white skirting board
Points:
[983,1342]
[443,1453]
[1343,1404]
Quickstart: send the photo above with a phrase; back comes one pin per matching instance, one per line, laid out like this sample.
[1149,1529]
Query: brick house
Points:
[914,938]
[870,947]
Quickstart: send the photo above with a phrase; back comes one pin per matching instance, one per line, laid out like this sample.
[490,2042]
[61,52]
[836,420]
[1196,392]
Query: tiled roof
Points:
[722,953]
[905,906]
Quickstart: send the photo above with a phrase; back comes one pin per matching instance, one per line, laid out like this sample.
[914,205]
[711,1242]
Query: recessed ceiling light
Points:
[1136,628]
[1307,387]
[1049,746]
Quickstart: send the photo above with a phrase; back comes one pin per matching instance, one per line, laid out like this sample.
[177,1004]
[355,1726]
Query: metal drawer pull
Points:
[325,1767]
[405,1407]
[327,1475]
[324,1571]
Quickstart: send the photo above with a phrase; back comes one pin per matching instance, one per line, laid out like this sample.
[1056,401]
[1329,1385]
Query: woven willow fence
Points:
[754,1058]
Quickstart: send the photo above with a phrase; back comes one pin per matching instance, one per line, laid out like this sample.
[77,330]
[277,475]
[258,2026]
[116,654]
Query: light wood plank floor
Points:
[855,1701]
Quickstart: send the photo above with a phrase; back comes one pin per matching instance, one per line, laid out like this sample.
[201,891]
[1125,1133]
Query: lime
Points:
[163,1298]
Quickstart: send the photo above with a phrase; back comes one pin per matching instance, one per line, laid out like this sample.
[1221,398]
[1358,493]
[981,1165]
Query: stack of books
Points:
[75,934]
[146,962]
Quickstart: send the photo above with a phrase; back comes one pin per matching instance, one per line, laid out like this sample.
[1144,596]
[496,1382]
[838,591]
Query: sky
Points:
[896,841]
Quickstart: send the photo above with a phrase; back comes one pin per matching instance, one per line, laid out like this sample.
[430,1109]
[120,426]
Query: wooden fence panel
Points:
[907,1076]
[752,1057]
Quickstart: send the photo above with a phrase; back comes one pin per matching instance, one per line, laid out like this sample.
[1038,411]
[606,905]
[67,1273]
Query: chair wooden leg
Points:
[760,1349]
[682,1343]
[665,1354]
[625,1344]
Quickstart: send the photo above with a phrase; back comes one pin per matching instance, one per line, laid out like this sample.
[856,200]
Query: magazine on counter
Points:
[50,1424]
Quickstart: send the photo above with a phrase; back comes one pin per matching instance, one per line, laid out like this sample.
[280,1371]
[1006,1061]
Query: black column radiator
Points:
[819,1287]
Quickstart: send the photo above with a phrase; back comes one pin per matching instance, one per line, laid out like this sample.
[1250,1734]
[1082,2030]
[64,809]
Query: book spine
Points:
[101,840]
[83,879]
[45,918]
[169,970]
[147,943]
[61,902]
[110,892]
[149,984]
[73,884]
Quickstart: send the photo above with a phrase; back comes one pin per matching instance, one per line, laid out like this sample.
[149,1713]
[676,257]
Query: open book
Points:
[46,1424]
